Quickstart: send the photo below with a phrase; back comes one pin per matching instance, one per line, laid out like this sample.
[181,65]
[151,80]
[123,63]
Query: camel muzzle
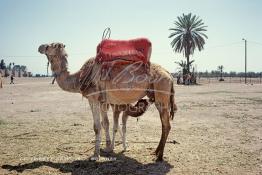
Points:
[42,48]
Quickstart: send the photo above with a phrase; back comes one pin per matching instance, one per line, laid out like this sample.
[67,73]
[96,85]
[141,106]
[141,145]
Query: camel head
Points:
[56,55]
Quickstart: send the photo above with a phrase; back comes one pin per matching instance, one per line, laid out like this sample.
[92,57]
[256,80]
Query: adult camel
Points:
[125,89]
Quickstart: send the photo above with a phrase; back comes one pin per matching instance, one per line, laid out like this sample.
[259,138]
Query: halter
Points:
[50,57]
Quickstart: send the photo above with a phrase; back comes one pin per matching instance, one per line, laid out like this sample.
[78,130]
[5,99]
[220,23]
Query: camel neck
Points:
[65,80]
[69,82]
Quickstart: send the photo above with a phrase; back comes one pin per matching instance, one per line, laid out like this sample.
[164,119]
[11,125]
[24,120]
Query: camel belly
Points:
[123,84]
[125,93]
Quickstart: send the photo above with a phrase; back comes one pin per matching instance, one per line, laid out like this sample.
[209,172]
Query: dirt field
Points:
[217,130]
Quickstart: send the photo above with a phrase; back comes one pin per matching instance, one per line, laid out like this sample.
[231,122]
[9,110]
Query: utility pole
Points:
[245,60]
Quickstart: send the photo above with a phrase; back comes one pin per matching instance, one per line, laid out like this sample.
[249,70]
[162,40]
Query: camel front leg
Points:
[116,112]
[105,125]
[124,140]
[95,107]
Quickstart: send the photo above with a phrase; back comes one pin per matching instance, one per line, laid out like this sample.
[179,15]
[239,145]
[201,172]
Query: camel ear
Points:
[60,45]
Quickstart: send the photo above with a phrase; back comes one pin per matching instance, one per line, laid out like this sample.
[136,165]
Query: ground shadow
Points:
[119,164]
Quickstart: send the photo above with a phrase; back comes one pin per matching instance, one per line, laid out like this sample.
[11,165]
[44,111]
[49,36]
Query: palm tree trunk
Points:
[187,64]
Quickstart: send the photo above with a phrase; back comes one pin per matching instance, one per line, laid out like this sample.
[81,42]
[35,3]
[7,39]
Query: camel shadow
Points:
[114,164]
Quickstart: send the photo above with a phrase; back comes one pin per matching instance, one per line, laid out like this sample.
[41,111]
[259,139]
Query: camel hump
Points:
[132,50]
[85,78]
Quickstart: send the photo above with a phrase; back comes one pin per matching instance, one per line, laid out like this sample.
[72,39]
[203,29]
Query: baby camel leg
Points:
[124,120]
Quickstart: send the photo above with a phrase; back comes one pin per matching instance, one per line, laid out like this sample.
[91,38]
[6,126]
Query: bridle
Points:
[51,57]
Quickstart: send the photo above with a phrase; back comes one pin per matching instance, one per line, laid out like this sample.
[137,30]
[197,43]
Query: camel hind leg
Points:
[163,91]
[164,116]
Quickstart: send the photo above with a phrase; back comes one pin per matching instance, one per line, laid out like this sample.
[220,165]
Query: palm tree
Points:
[188,35]
[220,69]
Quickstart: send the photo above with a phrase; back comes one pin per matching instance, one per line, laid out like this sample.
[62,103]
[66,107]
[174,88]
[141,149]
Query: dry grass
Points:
[47,131]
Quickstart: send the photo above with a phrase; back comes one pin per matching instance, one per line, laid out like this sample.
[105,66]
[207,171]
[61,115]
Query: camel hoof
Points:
[126,149]
[159,159]
[108,150]
[94,158]
[112,147]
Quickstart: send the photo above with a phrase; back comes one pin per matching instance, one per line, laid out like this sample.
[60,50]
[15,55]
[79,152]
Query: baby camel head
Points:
[56,55]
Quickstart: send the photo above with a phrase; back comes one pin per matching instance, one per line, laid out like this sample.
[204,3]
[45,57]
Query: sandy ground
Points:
[44,130]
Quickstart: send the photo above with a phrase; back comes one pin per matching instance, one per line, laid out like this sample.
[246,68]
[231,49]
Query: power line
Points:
[225,45]
[157,52]
[254,42]
[22,56]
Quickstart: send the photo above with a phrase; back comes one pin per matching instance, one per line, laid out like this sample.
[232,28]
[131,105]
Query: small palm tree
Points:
[188,35]
[183,65]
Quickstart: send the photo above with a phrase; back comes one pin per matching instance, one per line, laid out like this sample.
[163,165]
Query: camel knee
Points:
[124,128]
[105,124]
[115,129]
[97,128]
[167,127]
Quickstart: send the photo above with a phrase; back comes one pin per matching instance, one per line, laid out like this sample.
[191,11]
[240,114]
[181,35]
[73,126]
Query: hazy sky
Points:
[79,24]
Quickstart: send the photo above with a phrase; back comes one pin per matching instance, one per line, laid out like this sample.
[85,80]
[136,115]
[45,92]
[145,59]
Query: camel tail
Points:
[139,109]
[173,107]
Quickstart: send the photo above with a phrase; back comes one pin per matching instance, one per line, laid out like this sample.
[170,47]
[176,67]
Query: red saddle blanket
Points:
[125,50]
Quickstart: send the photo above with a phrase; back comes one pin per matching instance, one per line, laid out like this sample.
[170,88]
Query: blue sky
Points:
[79,24]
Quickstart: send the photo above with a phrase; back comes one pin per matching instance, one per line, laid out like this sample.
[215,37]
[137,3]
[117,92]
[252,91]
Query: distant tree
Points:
[6,74]
[232,74]
[23,68]
[10,66]
[2,64]
[188,35]
[220,69]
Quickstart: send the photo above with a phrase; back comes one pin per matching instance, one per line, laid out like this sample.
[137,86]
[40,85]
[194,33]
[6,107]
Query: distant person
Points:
[53,81]
[12,79]
[178,79]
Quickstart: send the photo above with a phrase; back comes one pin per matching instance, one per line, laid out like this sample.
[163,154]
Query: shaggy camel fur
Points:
[119,93]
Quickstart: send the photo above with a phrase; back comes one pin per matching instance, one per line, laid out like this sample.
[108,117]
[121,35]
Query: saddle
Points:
[124,51]
[114,56]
